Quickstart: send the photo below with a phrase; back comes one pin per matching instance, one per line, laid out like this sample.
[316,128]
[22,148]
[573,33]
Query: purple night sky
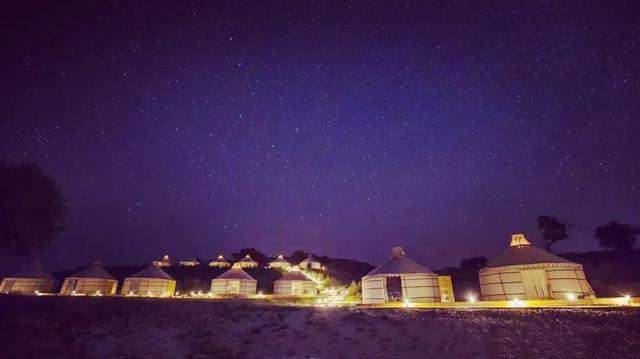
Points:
[195,129]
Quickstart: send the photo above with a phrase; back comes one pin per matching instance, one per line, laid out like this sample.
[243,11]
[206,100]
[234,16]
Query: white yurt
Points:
[189,263]
[219,262]
[235,281]
[400,279]
[31,280]
[93,280]
[151,281]
[310,263]
[247,262]
[523,271]
[294,283]
[280,263]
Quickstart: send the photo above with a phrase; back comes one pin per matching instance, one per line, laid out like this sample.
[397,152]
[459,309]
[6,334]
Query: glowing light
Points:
[571,296]
[260,294]
[516,303]
[627,297]
[408,304]
[73,292]
[472,298]
[177,293]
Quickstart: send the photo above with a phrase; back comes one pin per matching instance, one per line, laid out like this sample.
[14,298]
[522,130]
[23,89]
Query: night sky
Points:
[341,129]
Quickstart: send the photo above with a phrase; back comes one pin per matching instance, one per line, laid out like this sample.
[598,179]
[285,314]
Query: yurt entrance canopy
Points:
[400,279]
[93,280]
[31,280]
[219,262]
[235,281]
[151,281]
[294,283]
[523,271]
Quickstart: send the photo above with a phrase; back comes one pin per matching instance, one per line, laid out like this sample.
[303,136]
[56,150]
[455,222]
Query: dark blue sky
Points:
[344,129]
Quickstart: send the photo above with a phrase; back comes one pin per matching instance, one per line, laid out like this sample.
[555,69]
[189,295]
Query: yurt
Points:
[219,262]
[310,263]
[235,281]
[400,279]
[247,262]
[93,280]
[523,271]
[164,262]
[31,280]
[280,263]
[189,263]
[294,283]
[151,281]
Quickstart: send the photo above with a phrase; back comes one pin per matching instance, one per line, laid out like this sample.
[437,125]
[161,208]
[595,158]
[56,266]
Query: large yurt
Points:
[235,281]
[93,280]
[294,283]
[151,281]
[400,279]
[523,271]
[279,263]
[219,262]
[247,262]
[310,263]
[31,280]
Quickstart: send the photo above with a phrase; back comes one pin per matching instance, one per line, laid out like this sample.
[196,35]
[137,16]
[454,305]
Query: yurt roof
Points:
[220,259]
[398,263]
[33,271]
[152,272]
[520,251]
[95,271]
[310,259]
[235,272]
[279,259]
[190,260]
[295,275]
[247,259]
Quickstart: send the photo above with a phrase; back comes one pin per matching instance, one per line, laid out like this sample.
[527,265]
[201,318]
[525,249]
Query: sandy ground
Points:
[134,328]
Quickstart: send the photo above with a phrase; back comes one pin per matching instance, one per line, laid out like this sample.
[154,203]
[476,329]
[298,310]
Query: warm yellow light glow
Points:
[571,296]
[408,304]
[517,303]
[472,298]
[627,297]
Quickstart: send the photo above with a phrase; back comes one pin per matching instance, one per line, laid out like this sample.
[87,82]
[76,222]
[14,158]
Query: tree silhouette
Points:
[617,236]
[255,254]
[473,263]
[552,230]
[32,209]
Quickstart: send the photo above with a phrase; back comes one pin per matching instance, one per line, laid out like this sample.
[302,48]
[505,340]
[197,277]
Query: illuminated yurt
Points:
[151,281]
[523,271]
[247,262]
[280,263]
[93,280]
[31,280]
[235,281]
[294,283]
[400,279]
[165,262]
[189,262]
[219,262]
[310,263]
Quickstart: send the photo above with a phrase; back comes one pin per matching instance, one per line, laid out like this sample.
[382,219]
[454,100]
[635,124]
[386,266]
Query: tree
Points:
[255,254]
[552,230]
[473,263]
[617,236]
[297,256]
[32,209]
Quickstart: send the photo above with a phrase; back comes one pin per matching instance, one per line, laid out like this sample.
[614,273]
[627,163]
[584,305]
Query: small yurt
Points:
[31,280]
[400,279]
[294,283]
[93,280]
[219,262]
[280,263]
[310,263]
[189,262]
[523,271]
[151,281]
[247,262]
[164,262]
[235,281]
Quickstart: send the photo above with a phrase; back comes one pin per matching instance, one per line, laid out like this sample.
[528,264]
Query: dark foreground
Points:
[121,327]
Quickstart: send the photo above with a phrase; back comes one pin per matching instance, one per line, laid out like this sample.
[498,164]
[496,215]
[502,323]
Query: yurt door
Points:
[234,287]
[394,289]
[297,288]
[536,283]
[134,286]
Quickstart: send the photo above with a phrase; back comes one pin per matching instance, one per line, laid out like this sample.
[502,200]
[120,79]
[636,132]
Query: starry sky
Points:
[341,128]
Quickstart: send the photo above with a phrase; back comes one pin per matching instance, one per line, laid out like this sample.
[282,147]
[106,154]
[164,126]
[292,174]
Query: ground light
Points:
[472,298]
[627,297]
[571,297]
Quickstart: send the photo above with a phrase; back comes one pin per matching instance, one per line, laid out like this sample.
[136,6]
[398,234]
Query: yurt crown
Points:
[519,240]
[236,266]
[280,256]
[397,252]
[220,256]
[165,258]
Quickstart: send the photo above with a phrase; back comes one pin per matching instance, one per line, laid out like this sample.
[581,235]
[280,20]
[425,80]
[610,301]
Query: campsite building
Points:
[247,262]
[523,271]
[400,279]
[280,263]
[93,280]
[294,283]
[310,263]
[219,262]
[235,281]
[151,281]
[31,280]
